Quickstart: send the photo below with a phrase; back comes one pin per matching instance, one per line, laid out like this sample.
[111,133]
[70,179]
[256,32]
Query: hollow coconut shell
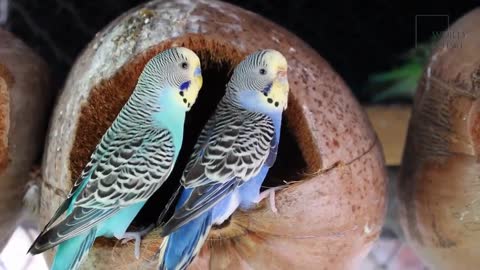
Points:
[440,176]
[25,98]
[331,211]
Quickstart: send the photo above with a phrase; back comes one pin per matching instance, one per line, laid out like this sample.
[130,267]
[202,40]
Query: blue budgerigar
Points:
[132,160]
[232,156]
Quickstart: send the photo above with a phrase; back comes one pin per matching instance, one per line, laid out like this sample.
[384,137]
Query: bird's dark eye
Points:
[263,71]
[184,65]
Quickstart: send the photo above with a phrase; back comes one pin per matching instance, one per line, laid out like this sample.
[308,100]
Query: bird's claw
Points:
[270,193]
[137,236]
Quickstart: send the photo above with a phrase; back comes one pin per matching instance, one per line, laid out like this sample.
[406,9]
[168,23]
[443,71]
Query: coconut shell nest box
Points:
[330,162]
[440,177]
[25,98]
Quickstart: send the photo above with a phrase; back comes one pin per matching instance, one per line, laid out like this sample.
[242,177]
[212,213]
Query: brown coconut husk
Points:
[439,182]
[25,98]
[329,160]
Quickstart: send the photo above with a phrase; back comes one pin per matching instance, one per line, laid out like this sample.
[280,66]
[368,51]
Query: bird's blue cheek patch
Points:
[184,86]
[197,72]
[267,89]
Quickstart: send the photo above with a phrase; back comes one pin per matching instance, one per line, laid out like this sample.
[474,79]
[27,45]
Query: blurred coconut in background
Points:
[25,100]
[439,184]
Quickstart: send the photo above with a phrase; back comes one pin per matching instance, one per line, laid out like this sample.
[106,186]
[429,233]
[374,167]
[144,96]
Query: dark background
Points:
[357,37]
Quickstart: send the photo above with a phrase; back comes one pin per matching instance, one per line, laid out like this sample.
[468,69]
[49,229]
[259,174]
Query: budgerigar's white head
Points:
[178,70]
[260,81]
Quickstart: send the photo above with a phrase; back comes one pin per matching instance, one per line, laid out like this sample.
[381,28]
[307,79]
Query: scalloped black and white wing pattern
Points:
[231,150]
[126,168]
[239,145]
[133,159]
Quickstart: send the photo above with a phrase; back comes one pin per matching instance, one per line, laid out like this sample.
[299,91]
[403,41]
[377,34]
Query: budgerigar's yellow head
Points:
[191,68]
[177,69]
[260,81]
[278,67]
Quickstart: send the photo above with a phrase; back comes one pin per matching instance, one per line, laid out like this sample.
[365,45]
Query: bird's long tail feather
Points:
[180,247]
[71,253]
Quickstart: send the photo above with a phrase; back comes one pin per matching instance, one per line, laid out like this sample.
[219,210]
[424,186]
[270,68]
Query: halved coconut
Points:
[440,177]
[25,100]
[329,160]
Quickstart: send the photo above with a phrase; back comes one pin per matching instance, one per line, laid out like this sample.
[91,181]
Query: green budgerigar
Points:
[132,160]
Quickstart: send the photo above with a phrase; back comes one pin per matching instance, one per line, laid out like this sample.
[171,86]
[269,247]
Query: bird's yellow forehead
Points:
[194,60]
[276,60]
[189,54]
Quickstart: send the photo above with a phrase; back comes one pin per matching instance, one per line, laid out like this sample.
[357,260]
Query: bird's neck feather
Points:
[250,101]
[166,112]
[171,115]
[233,99]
